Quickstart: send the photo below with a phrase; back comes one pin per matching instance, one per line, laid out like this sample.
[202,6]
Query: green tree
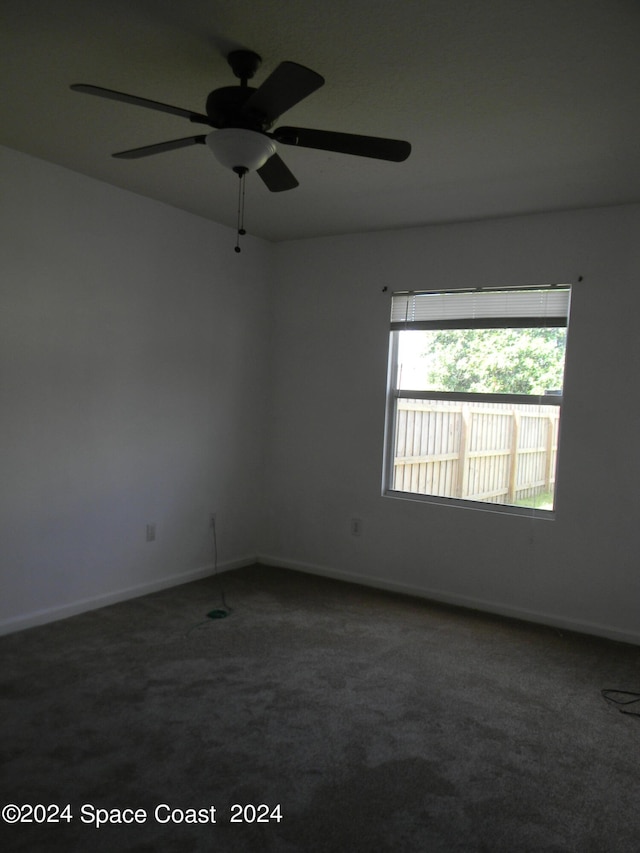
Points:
[514,361]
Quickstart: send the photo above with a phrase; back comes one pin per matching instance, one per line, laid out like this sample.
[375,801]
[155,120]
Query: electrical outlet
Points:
[151,532]
[356,527]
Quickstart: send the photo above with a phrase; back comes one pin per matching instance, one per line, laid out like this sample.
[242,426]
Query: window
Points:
[475,395]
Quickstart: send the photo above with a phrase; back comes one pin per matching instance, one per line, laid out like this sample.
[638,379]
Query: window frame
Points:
[394,394]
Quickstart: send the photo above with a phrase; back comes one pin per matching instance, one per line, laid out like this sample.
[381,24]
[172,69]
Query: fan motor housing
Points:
[224,109]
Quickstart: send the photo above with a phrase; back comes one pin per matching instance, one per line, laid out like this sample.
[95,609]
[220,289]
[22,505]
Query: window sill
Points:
[481,506]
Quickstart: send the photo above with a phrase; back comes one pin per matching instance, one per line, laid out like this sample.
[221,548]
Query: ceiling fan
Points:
[243,116]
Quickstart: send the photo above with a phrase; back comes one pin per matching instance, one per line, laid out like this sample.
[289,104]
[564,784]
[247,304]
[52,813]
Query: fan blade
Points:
[289,84]
[277,175]
[344,143]
[139,102]
[159,147]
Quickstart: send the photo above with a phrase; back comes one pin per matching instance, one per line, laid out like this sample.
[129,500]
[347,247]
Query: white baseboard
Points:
[550,620]
[53,614]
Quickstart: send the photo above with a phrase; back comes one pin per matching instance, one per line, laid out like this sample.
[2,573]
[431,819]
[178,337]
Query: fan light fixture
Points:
[242,151]
[239,149]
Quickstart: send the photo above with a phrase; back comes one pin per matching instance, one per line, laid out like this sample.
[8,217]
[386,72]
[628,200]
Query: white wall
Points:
[132,384]
[325,457]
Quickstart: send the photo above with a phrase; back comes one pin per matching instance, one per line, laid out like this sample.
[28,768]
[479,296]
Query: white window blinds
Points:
[490,308]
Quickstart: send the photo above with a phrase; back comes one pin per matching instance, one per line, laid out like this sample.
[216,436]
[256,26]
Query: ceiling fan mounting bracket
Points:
[244,64]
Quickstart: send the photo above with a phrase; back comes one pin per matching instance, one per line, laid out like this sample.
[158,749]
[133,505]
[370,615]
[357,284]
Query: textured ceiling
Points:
[511,106]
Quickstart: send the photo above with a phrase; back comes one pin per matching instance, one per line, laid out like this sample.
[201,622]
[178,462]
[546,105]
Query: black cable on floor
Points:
[217,613]
[225,610]
[615,697]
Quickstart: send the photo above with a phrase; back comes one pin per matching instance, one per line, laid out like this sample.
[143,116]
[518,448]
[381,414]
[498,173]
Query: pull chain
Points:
[241,172]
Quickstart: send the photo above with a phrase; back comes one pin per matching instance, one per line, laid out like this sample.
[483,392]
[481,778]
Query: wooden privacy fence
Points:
[494,452]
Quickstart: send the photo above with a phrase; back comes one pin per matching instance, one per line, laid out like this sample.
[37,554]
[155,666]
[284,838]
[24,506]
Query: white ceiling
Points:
[511,106]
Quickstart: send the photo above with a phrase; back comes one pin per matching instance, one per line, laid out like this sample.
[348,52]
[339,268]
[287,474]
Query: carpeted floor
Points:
[326,716]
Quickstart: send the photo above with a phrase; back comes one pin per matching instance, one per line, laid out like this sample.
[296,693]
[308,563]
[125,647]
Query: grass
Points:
[543,501]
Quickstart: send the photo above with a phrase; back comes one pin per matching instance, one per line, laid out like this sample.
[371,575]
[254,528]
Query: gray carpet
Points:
[374,721]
